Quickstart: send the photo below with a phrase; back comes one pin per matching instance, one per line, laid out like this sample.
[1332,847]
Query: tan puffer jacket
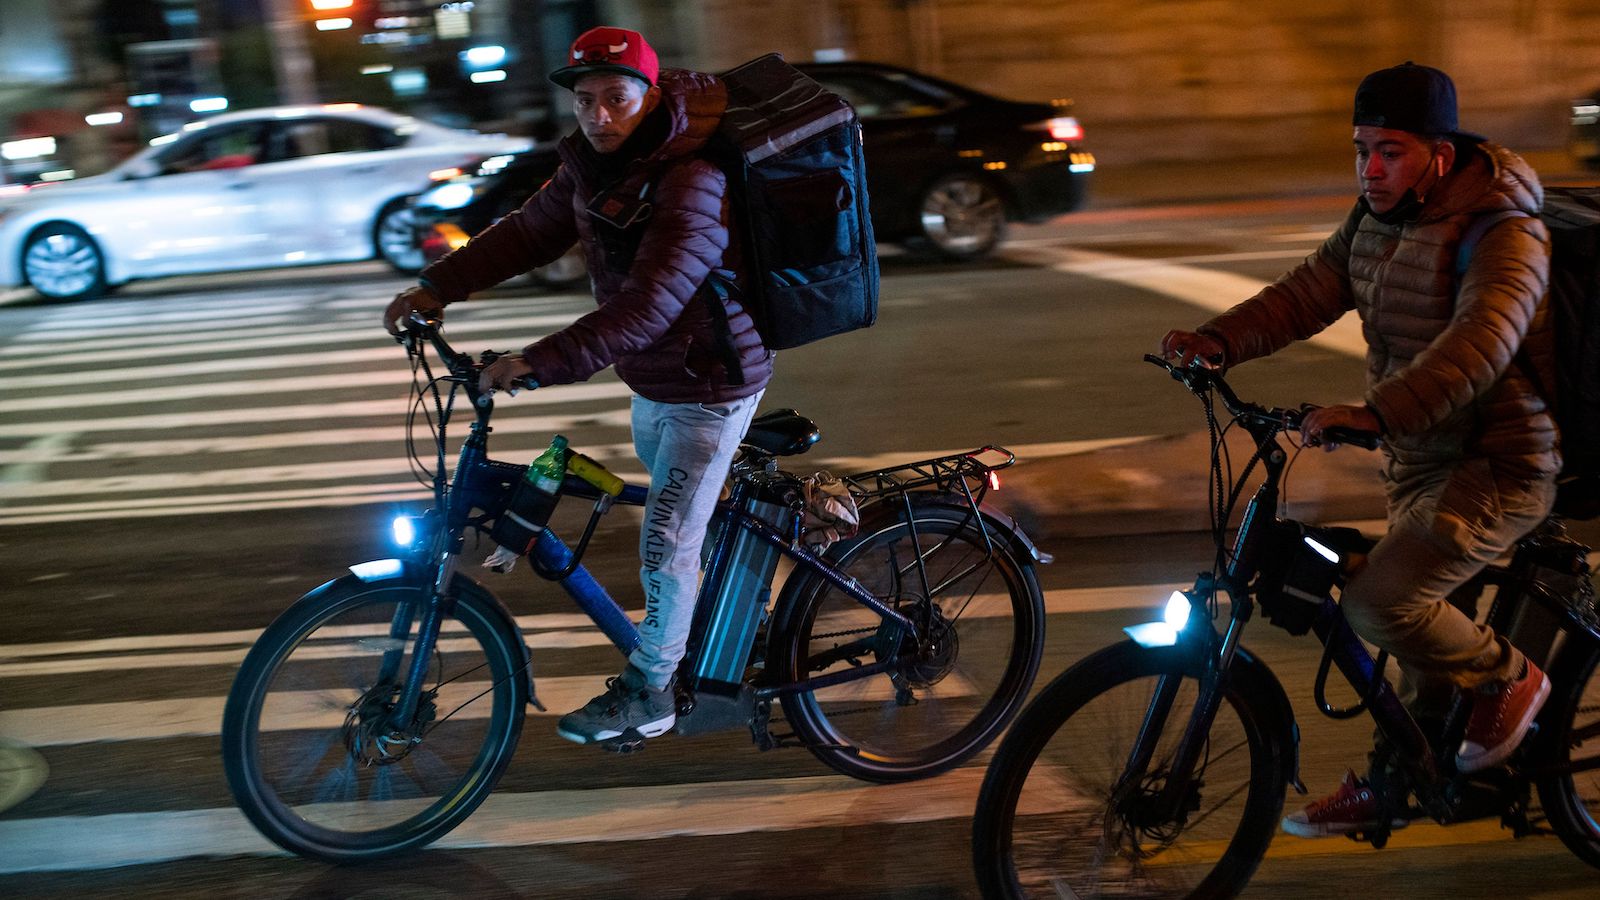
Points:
[1443,368]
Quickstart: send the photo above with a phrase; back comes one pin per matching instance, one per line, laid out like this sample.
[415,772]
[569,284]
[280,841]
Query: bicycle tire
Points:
[947,701]
[1570,727]
[1057,779]
[369,804]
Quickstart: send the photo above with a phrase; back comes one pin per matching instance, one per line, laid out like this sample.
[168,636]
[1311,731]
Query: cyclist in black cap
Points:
[1470,443]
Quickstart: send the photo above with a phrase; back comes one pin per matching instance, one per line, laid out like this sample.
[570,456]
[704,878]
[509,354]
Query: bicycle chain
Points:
[834,634]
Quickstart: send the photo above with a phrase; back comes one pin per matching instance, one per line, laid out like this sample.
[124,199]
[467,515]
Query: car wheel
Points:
[566,271]
[395,236]
[961,216]
[62,262]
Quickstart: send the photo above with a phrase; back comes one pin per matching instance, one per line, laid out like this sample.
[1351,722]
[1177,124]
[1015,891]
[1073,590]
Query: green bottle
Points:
[549,468]
[532,500]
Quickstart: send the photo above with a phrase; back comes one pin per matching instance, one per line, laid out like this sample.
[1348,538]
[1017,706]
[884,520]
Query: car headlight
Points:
[452,195]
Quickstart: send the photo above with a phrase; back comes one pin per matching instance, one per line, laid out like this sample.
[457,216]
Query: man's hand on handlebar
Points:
[1345,415]
[1189,348]
[505,374]
[413,299]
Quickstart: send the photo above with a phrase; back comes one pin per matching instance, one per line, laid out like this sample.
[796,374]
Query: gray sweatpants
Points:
[687,448]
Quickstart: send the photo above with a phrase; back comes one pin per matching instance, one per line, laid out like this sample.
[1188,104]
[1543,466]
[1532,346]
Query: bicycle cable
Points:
[420,389]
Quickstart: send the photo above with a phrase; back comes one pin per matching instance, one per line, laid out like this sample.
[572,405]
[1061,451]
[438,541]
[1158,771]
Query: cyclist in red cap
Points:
[654,220]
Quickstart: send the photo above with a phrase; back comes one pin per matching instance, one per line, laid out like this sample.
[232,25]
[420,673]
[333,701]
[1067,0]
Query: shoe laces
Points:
[1349,794]
[1489,709]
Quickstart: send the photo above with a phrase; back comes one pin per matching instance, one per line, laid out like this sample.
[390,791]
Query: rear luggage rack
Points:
[961,473]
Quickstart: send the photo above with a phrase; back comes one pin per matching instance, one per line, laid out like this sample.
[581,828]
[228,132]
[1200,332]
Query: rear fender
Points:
[995,521]
[1001,526]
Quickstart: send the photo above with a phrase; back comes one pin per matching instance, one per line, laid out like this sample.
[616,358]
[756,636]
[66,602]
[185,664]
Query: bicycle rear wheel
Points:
[947,693]
[1058,816]
[311,751]
[1570,734]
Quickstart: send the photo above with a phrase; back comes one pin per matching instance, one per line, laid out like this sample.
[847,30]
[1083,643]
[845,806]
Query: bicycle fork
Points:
[1177,796]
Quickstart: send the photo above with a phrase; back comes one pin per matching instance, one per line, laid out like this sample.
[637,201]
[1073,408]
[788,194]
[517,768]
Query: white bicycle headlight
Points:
[1165,632]
[405,530]
[1177,612]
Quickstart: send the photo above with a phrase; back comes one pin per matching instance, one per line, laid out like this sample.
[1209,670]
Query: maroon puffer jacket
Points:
[651,322]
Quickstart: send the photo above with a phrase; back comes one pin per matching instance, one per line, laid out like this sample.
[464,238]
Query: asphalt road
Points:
[179,461]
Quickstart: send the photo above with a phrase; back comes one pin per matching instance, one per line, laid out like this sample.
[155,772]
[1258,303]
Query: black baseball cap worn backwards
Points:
[1409,97]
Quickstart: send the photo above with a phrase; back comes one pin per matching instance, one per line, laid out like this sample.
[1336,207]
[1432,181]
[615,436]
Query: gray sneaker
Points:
[630,710]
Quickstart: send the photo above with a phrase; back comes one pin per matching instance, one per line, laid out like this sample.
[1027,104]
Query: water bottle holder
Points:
[525,515]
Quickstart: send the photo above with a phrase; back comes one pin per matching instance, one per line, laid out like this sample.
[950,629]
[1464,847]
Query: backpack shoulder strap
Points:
[1475,232]
[1469,242]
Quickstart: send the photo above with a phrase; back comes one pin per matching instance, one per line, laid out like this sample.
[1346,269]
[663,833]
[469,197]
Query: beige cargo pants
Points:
[1444,527]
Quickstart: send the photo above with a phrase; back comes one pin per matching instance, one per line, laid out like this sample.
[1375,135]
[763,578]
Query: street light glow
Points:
[332,4]
[334,24]
[488,77]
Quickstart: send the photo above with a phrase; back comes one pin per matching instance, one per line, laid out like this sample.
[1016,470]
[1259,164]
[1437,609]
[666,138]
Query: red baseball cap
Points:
[606,49]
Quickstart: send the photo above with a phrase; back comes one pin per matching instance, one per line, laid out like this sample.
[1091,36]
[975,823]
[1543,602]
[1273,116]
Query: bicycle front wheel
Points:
[945,692]
[315,753]
[1060,815]
[1570,738]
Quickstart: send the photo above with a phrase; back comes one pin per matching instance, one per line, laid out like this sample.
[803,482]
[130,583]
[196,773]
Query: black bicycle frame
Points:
[1217,651]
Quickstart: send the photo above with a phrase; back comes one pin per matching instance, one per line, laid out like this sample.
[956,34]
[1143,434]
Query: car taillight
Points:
[1064,128]
[445,174]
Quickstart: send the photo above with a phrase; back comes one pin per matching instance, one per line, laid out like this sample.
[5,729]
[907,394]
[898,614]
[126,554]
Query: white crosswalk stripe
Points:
[226,379]
[223,383]
[509,818]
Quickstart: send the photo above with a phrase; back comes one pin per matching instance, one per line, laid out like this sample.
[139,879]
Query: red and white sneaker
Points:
[1501,720]
[1353,807]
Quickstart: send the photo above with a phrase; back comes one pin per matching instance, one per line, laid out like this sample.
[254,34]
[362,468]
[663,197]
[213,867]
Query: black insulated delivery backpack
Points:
[1573,217]
[796,170]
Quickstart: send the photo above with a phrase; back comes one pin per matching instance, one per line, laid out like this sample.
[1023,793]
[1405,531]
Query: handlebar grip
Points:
[424,321]
[595,474]
[1353,436]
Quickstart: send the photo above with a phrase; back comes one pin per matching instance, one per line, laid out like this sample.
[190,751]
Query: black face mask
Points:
[1407,210]
[1410,204]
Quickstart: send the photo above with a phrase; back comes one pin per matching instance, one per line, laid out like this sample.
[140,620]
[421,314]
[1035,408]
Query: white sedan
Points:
[251,189]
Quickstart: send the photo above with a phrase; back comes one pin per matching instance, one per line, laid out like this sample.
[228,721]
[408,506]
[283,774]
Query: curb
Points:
[1162,484]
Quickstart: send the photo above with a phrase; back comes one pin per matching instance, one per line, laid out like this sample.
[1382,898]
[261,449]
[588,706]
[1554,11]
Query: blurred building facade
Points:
[1152,79]
[1202,79]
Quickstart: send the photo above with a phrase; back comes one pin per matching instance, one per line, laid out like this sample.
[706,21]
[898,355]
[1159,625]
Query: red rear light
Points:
[994,480]
[1065,128]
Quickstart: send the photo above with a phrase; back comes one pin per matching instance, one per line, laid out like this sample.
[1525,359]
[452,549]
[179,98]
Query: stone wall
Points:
[1187,79]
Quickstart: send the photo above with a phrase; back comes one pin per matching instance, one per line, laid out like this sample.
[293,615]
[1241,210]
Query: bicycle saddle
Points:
[782,432]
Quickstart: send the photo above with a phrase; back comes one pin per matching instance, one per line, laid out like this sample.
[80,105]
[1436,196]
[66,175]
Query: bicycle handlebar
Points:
[419,327]
[1199,380]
